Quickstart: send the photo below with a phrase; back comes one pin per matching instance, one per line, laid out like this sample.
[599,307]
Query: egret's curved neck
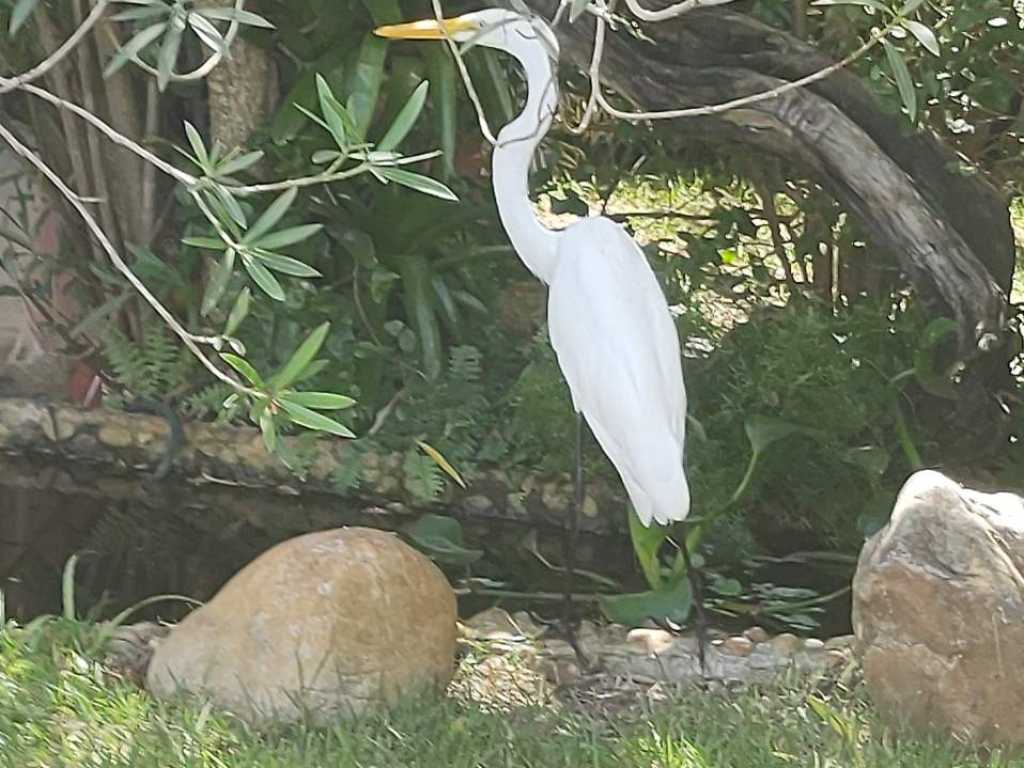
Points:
[535,243]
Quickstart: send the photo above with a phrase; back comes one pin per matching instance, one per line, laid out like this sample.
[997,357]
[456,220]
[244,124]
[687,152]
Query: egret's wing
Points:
[619,351]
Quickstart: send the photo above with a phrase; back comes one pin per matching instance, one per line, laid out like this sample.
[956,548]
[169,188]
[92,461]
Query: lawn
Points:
[59,707]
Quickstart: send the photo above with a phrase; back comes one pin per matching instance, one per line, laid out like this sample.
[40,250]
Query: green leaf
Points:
[218,282]
[380,284]
[285,264]
[871,458]
[168,55]
[364,82]
[321,401]
[876,4]
[338,121]
[445,101]
[137,14]
[286,237]
[235,14]
[243,367]
[206,243]
[302,357]
[360,246]
[269,430]
[406,118]
[440,538]
[262,277]
[270,216]
[904,82]
[418,296]
[313,420]
[133,47]
[238,311]
[325,156]
[238,164]
[22,10]
[926,370]
[762,431]
[924,35]
[418,182]
[672,603]
[206,32]
[647,541]
[231,205]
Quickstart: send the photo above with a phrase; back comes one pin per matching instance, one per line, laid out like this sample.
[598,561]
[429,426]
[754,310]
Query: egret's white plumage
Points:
[609,323]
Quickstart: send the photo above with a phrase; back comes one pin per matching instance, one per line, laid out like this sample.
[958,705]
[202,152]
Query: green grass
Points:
[57,708]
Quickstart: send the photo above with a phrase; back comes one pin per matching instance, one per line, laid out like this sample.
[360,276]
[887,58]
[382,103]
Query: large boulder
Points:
[938,611]
[320,627]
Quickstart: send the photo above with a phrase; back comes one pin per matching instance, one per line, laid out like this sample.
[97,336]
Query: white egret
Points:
[608,319]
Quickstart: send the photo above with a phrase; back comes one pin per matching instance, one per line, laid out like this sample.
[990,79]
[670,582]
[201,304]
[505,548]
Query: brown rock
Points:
[650,641]
[938,610]
[786,644]
[324,625]
[737,646]
[756,634]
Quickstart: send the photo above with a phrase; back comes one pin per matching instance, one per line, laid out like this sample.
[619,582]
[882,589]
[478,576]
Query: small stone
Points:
[756,634]
[477,504]
[115,436]
[650,641]
[813,644]
[560,672]
[590,508]
[835,658]
[737,646]
[786,644]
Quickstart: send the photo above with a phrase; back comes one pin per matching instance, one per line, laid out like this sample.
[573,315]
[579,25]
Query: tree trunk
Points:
[950,233]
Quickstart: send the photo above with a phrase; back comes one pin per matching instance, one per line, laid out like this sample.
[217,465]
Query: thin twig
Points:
[54,58]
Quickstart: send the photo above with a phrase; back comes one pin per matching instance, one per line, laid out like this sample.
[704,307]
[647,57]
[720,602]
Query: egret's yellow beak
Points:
[428,29]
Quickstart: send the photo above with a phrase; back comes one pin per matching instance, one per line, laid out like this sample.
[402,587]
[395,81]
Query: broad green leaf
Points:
[672,602]
[381,282]
[406,118]
[169,49]
[647,541]
[418,296]
[302,357]
[238,311]
[235,14]
[133,47]
[218,282]
[442,462]
[243,367]
[924,35]
[441,538]
[927,372]
[311,370]
[286,237]
[238,164]
[206,243]
[904,81]
[285,264]
[420,183]
[762,431]
[365,79]
[321,401]
[22,10]
[262,277]
[871,458]
[313,420]
[270,216]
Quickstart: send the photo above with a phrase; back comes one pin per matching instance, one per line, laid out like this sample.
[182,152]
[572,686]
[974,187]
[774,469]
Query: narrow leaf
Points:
[243,367]
[334,114]
[238,311]
[420,183]
[270,216]
[924,35]
[405,119]
[22,10]
[234,14]
[207,243]
[904,82]
[133,47]
[137,14]
[290,236]
[302,357]
[285,264]
[196,142]
[262,277]
[238,164]
[169,53]
[321,401]
[269,430]
[313,420]
[442,462]
[206,32]
[218,282]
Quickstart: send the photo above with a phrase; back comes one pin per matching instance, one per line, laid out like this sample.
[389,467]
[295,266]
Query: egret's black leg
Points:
[569,544]
[697,593]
